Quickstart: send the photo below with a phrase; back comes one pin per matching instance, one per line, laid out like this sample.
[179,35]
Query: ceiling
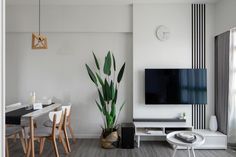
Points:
[100,2]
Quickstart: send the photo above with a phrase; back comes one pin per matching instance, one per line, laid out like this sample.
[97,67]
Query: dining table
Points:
[22,115]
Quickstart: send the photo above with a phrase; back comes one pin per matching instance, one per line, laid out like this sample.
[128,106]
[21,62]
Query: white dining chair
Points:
[68,121]
[51,133]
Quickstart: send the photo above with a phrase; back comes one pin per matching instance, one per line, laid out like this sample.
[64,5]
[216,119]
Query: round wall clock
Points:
[162,33]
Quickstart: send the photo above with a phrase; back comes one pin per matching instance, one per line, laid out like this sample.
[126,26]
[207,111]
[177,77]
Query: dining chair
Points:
[13,106]
[65,110]
[68,121]
[24,125]
[14,131]
[52,133]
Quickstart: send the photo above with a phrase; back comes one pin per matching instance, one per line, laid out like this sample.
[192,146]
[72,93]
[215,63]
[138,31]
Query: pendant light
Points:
[39,41]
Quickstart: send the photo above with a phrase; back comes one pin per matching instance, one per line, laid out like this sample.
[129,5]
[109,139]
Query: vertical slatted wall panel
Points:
[198,58]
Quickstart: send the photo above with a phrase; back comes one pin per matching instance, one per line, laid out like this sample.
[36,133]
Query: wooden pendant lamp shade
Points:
[39,41]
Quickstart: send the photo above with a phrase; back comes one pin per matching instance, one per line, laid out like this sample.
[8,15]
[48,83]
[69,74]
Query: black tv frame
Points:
[174,69]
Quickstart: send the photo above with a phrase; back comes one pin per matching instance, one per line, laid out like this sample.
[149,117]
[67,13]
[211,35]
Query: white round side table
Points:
[176,143]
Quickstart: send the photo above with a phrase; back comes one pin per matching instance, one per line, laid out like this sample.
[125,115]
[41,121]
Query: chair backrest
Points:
[66,108]
[57,118]
[57,114]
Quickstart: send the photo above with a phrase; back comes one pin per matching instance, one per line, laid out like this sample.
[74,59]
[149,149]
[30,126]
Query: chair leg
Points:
[41,145]
[63,143]
[55,147]
[22,141]
[72,133]
[60,135]
[25,137]
[7,148]
[67,140]
[29,148]
[14,137]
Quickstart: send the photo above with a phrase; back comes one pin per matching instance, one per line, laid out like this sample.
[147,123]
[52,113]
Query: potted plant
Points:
[107,81]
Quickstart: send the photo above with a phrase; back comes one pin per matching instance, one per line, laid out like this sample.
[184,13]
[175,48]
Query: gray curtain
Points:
[222,43]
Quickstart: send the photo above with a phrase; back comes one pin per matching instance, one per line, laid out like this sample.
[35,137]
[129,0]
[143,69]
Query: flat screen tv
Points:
[175,86]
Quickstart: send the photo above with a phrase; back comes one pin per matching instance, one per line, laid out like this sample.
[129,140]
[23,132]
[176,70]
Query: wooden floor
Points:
[91,148]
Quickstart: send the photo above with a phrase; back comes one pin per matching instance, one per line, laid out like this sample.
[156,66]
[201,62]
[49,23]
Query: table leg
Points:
[138,141]
[32,136]
[189,155]
[175,149]
[193,152]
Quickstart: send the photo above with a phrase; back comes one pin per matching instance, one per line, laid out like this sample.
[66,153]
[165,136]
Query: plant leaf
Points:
[121,107]
[108,91]
[115,97]
[114,62]
[109,120]
[121,72]
[91,75]
[96,61]
[107,64]
[113,109]
[99,106]
[100,79]
[112,89]
[101,98]
[104,91]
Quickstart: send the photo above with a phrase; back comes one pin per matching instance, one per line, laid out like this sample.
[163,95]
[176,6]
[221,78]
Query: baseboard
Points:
[87,136]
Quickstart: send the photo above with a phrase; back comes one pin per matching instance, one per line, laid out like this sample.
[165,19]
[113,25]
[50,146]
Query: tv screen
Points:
[175,86]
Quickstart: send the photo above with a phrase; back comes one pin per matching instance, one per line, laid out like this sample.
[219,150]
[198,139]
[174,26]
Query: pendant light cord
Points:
[39,16]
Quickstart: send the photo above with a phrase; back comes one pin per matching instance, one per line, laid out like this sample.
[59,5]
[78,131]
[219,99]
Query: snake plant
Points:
[107,81]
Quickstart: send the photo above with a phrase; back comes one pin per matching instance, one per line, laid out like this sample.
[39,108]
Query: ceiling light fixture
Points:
[39,41]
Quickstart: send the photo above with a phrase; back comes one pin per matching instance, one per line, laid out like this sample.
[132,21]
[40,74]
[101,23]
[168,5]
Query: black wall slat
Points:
[198,14]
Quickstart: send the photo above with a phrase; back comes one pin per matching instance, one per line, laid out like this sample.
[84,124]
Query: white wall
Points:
[69,18]
[149,52]
[225,15]
[73,33]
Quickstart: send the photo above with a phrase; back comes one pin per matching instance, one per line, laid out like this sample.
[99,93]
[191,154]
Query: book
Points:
[186,137]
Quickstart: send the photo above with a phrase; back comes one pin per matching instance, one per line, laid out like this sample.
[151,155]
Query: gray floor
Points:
[91,148]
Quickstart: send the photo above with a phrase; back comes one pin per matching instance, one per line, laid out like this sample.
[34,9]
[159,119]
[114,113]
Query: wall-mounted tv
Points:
[175,86]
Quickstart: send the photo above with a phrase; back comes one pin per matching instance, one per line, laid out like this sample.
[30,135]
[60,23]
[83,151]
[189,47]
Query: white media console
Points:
[214,140]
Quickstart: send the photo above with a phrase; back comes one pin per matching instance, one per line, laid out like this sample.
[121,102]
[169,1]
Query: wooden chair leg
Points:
[60,135]
[29,148]
[7,148]
[64,144]
[25,137]
[55,147]
[41,145]
[67,140]
[72,133]
[22,141]
[15,137]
